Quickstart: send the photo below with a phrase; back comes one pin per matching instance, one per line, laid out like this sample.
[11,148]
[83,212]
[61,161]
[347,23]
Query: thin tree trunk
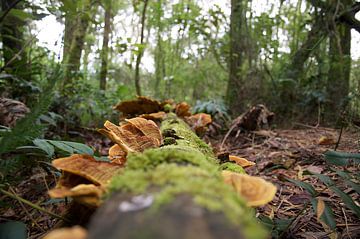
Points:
[74,43]
[235,84]
[105,47]
[339,72]
[141,50]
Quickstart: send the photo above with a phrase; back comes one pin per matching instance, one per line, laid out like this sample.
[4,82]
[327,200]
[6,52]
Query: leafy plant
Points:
[322,208]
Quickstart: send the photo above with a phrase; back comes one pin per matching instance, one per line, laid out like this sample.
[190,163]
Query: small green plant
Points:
[321,207]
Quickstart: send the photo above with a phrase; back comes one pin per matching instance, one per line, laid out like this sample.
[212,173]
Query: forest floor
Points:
[279,154]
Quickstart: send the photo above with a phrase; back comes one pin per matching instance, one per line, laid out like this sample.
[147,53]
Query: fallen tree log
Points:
[176,191]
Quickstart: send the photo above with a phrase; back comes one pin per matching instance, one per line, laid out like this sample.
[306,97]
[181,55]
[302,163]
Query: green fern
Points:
[26,128]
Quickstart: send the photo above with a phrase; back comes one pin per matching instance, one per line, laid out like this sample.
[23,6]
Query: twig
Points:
[37,207]
[17,55]
[346,223]
[339,138]
[27,212]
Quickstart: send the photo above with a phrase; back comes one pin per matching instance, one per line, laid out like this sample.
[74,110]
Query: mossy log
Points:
[175,191]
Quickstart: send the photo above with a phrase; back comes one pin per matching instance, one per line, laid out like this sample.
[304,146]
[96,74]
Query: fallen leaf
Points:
[255,190]
[324,140]
[320,208]
[243,162]
[314,169]
[75,232]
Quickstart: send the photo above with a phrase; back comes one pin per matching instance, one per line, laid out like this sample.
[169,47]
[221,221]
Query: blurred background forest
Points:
[86,55]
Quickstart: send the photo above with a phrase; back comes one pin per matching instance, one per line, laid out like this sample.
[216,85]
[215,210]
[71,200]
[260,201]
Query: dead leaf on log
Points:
[255,190]
[142,105]
[243,162]
[182,109]
[75,232]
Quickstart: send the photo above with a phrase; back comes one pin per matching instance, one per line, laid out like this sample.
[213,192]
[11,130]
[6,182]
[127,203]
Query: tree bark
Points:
[74,38]
[105,47]
[235,89]
[141,49]
[339,71]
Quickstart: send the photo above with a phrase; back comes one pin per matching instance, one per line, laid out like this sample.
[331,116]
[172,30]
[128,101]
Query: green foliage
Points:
[26,128]
[349,178]
[341,158]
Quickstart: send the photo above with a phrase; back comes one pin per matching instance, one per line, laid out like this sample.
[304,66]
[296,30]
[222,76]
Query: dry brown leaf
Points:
[142,105]
[320,208]
[243,162]
[182,109]
[159,116]
[255,190]
[89,168]
[117,155]
[324,140]
[75,232]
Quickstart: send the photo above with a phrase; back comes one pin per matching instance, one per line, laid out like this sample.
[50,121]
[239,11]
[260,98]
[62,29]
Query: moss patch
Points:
[206,187]
[232,167]
[185,135]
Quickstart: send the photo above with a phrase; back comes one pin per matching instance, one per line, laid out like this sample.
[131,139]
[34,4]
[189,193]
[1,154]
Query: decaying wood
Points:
[256,118]
[136,215]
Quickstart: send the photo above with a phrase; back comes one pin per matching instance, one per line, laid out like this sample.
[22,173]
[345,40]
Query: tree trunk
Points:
[141,50]
[235,89]
[175,186]
[75,32]
[160,71]
[12,35]
[105,47]
[339,72]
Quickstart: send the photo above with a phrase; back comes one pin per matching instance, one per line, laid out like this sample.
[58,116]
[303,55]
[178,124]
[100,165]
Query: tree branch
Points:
[348,17]
[8,10]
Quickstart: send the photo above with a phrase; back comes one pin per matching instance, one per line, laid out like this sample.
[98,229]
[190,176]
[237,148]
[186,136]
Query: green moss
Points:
[169,154]
[206,187]
[168,108]
[232,167]
[186,135]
